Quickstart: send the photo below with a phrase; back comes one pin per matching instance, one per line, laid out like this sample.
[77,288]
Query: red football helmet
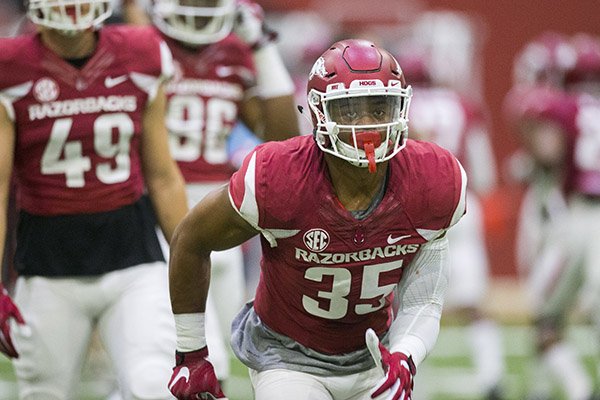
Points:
[544,60]
[416,69]
[359,103]
[586,68]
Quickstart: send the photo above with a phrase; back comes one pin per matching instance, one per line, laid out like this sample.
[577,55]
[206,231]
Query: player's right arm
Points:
[213,224]
[8,310]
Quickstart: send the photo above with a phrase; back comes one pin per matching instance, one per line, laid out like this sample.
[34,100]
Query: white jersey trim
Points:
[12,94]
[146,83]
[462,203]
[249,208]
[459,211]
[166,61]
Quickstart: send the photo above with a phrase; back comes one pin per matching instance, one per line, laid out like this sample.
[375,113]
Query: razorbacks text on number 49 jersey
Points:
[79,129]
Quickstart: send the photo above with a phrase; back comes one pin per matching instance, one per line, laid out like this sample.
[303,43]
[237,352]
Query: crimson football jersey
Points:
[326,276]
[204,100]
[79,130]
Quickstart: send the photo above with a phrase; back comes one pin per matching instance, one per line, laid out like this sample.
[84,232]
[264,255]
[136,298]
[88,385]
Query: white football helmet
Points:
[194,22]
[359,102]
[69,15]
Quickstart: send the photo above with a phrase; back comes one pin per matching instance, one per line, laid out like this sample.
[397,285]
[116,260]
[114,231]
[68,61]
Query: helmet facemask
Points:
[194,22]
[69,16]
[362,126]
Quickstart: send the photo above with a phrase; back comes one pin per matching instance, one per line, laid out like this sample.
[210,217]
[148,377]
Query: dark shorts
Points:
[87,244]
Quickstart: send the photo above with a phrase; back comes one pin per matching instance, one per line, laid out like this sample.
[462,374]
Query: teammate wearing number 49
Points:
[82,128]
[346,216]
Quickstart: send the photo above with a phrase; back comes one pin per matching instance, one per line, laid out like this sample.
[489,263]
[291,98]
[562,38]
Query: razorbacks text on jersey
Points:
[332,273]
[204,100]
[78,130]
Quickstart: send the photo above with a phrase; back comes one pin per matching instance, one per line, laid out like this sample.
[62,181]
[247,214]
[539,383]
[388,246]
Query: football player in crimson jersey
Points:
[442,115]
[344,216]
[227,69]
[82,128]
[560,128]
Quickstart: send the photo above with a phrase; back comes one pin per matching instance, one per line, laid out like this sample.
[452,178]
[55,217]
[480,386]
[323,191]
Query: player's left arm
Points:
[163,179]
[272,118]
[423,286]
[415,329]
[270,111]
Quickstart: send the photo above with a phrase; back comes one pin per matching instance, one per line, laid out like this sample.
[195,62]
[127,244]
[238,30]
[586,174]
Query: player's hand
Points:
[194,377]
[398,370]
[8,310]
[249,24]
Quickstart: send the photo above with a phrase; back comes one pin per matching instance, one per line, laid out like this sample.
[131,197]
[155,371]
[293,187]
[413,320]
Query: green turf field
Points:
[445,375]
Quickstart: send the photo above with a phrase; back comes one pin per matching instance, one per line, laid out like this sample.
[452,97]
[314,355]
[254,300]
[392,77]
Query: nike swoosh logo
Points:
[111,82]
[184,373]
[393,240]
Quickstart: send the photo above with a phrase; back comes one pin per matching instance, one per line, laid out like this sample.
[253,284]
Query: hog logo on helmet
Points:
[69,15]
[318,68]
[359,103]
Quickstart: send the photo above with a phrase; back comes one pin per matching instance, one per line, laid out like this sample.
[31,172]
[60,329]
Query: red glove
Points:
[250,25]
[8,310]
[194,377]
[399,370]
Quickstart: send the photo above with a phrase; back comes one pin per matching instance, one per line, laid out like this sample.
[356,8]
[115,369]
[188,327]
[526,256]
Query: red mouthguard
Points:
[368,141]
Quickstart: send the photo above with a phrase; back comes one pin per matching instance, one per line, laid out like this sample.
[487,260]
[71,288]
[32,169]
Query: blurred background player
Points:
[540,65]
[442,115]
[82,120]
[555,108]
[227,70]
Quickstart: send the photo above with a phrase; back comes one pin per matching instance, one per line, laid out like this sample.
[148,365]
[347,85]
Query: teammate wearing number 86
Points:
[347,217]
[82,129]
